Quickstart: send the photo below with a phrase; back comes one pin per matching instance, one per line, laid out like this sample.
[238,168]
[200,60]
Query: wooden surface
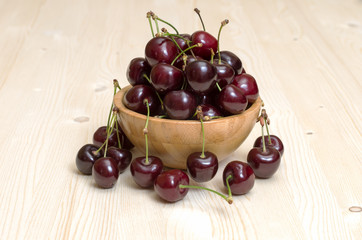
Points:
[57,62]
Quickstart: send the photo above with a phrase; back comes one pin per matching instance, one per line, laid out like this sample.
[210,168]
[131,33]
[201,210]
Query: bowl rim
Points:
[118,102]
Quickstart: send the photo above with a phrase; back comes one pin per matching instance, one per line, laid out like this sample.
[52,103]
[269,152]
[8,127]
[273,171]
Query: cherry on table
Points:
[105,172]
[242,177]
[145,172]
[274,141]
[123,157]
[202,168]
[167,185]
[86,157]
[265,162]
[100,136]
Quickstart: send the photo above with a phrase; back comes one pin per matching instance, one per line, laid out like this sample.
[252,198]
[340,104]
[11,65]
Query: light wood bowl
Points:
[173,140]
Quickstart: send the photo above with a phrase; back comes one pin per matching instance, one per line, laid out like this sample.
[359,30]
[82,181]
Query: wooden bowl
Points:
[173,140]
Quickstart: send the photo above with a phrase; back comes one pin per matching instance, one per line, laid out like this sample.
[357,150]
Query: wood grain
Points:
[57,63]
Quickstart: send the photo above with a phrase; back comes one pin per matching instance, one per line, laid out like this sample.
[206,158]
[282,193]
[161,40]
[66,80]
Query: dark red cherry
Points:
[180,62]
[209,111]
[86,157]
[208,42]
[167,185]
[135,96]
[123,157]
[181,42]
[105,172]
[242,177]
[100,136]
[165,78]
[125,142]
[275,143]
[232,100]
[144,174]
[135,71]
[248,86]
[233,60]
[202,169]
[201,76]
[160,50]
[225,73]
[264,163]
[179,104]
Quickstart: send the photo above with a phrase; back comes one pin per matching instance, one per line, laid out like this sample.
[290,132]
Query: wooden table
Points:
[57,63]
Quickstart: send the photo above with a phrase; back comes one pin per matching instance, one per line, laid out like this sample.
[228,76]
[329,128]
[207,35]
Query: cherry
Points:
[233,60]
[86,157]
[160,50]
[100,136]
[181,63]
[225,73]
[201,76]
[208,42]
[182,41]
[172,186]
[209,111]
[179,104]
[136,70]
[165,78]
[241,177]
[125,142]
[135,96]
[270,140]
[232,100]
[248,86]
[202,166]
[122,157]
[145,169]
[105,172]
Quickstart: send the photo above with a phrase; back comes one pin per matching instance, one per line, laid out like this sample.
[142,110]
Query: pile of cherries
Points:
[180,77]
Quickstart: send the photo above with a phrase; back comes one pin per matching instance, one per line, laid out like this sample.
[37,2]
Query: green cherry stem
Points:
[267,129]
[154,17]
[178,46]
[223,23]
[228,186]
[262,136]
[218,87]
[158,95]
[149,15]
[159,19]
[203,137]
[183,52]
[228,198]
[118,138]
[198,13]
[145,130]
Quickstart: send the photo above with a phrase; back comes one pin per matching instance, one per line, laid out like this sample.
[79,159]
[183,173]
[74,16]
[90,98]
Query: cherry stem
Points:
[262,136]
[115,86]
[183,52]
[198,13]
[228,186]
[229,198]
[145,130]
[158,95]
[178,46]
[154,17]
[109,131]
[212,56]
[118,138]
[267,130]
[149,20]
[218,86]
[203,137]
[159,19]
[223,23]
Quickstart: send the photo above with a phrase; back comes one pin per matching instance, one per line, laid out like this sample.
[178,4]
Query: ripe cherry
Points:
[86,157]
[201,76]
[136,70]
[165,77]
[233,60]
[240,176]
[123,157]
[135,96]
[209,112]
[248,86]
[105,172]
[100,136]
[232,100]
[179,104]
[160,50]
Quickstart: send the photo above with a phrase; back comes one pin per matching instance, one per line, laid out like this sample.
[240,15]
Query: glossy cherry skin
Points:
[243,177]
[145,174]
[135,71]
[208,42]
[232,100]
[201,76]
[165,78]
[233,60]
[248,86]
[160,50]
[105,172]
[179,104]
[86,157]
[167,185]
[209,112]
[275,143]
[123,157]
[202,169]
[135,96]
[100,136]
[225,73]
[264,163]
